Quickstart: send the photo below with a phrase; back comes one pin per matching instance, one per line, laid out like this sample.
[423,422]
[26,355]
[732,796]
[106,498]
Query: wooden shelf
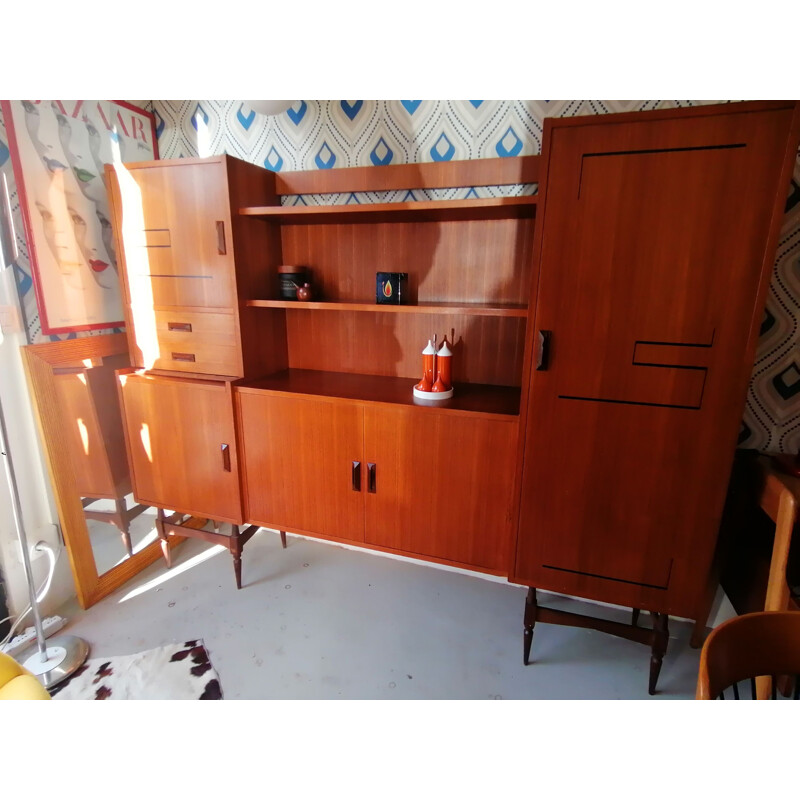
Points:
[468,309]
[470,398]
[417,211]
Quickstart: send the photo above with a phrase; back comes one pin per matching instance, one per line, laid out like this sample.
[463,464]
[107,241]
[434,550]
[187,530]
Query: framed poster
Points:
[58,149]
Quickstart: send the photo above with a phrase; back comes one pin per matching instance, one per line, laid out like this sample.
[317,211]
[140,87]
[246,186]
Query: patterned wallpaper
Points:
[343,133]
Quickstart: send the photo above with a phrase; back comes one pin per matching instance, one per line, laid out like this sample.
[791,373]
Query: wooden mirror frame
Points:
[40,360]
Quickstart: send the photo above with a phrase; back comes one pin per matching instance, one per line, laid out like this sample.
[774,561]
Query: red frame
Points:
[16,164]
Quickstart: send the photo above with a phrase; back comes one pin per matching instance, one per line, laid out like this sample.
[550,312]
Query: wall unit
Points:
[601,356]
[329,385]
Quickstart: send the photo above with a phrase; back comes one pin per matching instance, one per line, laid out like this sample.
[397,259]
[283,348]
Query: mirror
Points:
[109,537]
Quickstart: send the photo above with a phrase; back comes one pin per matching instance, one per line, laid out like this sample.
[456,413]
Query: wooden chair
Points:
[755,647]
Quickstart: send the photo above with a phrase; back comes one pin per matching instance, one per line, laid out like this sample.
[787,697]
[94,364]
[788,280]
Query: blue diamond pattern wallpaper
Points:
[330,134]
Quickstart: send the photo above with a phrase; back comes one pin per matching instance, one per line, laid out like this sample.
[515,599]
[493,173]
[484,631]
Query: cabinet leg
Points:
[659,648]
[530,620]
[124,525]
[635,617]
[283,539]
[162,535]
[236,551]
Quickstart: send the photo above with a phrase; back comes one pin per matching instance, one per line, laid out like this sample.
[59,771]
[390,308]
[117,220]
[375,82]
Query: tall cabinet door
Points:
[302,461]
[439,485]
[181,445]
[653,241]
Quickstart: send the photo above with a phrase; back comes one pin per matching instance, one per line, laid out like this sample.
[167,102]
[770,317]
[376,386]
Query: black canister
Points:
[291,278]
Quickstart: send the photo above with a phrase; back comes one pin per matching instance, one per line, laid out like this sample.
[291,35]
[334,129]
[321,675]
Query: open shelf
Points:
[468,309]
[417,211]
[470,398]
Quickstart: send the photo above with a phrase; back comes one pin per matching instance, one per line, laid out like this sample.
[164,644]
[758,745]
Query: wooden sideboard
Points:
[603,332]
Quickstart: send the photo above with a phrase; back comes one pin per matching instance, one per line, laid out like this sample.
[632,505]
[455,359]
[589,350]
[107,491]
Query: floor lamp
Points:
[54,661]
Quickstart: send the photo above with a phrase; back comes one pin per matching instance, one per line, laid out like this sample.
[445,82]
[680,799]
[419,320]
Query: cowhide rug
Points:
[175,672]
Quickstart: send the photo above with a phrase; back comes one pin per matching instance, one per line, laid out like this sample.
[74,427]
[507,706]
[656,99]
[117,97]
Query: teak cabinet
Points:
[655,254]
[382,476]
[182,444]
[186,259]
[603,333]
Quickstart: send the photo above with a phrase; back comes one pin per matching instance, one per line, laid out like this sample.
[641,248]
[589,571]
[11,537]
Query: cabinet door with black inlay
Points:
[653,266]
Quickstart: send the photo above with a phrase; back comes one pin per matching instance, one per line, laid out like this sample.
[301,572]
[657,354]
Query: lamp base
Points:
[64,655]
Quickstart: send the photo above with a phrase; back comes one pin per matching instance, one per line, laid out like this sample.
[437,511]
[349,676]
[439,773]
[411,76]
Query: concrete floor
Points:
[318,621]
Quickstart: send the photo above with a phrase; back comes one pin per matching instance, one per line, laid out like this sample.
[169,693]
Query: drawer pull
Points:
[543,358]
[372,478]
[356,474]
[226,457]
[221,237]
[182,356]
[180,326]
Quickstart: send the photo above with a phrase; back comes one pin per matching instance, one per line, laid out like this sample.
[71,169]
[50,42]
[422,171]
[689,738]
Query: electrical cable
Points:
[41,592]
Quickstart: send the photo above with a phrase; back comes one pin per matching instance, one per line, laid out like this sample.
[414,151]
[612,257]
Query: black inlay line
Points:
[668,366]
[666,150]
[607,578]
[631,402]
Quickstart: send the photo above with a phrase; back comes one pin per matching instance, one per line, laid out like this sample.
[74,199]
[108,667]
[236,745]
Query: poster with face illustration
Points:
[58,149]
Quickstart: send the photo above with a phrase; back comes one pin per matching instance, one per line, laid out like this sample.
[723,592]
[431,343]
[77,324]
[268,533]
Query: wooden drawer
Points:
[192,341]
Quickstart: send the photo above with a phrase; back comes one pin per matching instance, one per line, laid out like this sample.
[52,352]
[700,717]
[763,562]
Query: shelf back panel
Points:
[486,350]
[474,261]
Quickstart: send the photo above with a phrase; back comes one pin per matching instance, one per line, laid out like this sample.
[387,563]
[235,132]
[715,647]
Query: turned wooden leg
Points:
[283,539]
[530,620]
[635,617]
[162,535]
[124,526]
[236,551]
[659,648]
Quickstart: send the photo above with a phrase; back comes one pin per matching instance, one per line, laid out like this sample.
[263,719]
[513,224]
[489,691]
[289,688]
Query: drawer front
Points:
[192,341]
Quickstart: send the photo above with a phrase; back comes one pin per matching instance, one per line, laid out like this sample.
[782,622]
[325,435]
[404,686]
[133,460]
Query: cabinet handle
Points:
[182,356]
[221,237]
[179,326]
[543,358]
[372,478]
[226,457]
[356,476]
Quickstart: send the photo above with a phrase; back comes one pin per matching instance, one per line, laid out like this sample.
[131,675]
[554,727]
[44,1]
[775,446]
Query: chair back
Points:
[765,643]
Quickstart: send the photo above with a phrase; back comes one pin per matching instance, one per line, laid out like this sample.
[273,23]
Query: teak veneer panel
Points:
[431,175]
[175,430]
[654,257]
[297,472]
[478,261]
[443,485]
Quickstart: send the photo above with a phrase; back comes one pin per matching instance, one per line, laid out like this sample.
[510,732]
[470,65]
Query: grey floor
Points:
[319,621]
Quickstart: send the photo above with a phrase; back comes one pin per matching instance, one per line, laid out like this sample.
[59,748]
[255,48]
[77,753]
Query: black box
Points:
[392,288]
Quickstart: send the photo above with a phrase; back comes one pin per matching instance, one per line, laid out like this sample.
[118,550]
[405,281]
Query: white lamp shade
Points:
[269,107]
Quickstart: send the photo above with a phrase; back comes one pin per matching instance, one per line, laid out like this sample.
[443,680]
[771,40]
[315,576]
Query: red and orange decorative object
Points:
[436,383]
[391,288]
